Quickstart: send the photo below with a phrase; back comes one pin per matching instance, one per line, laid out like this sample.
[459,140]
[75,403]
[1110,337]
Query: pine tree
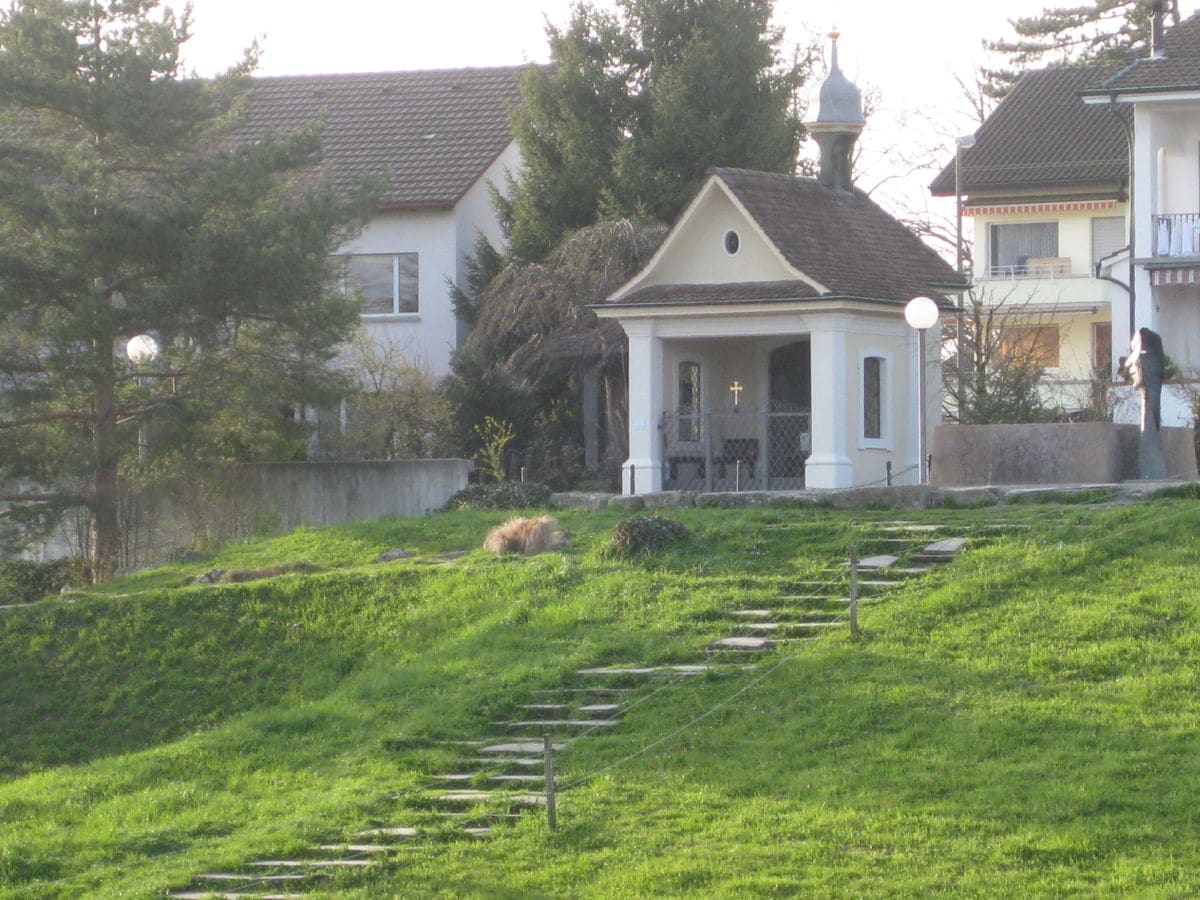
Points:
[127,207]
[638,106]
[1102,31]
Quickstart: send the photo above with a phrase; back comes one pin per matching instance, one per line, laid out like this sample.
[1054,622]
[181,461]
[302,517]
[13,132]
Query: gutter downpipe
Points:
[1131,286]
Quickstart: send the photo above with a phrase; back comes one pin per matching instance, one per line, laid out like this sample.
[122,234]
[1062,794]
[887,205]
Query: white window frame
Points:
[885,440]
[396,312]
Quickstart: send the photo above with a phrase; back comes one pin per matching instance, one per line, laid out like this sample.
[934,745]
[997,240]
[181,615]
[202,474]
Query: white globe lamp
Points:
[921,313]
[141,348]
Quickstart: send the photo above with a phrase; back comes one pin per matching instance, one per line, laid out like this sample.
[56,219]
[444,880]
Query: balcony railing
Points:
[742,450]
[1177,235]
[1034,267]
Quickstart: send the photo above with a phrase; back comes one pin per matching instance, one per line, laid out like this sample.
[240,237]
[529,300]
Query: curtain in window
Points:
[1014,245]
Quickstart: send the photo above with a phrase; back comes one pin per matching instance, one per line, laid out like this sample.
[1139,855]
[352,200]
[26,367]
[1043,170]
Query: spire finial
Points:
[833,60]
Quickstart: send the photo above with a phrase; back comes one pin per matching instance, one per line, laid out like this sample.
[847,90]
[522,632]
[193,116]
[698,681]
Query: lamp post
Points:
[921,314]
[961,143]
[142,349]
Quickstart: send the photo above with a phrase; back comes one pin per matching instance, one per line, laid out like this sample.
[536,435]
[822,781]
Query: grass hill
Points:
[1022,721]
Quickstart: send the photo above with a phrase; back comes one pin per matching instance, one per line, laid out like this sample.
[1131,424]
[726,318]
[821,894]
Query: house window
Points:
[732,242]
[873,398]
[384,283]
[1024,249]
[1108,236]
[1035,344]
[689,401]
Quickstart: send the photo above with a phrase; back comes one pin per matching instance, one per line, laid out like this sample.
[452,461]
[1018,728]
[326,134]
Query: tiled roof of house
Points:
[1177,69]
[431,134]
[841,240]
[1043,136]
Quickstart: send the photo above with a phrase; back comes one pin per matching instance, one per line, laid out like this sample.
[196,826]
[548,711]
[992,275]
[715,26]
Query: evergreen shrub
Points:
[645,534]
[502,495]
[25,581]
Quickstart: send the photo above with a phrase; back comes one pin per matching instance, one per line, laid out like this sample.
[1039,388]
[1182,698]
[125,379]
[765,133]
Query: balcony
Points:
[1033,267]
[1177,235]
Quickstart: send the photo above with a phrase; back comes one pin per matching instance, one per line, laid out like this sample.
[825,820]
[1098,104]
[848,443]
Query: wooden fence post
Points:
[548,753]
[854,591]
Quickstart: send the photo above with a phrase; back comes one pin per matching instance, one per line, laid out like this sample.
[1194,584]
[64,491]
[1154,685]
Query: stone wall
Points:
[1072,453]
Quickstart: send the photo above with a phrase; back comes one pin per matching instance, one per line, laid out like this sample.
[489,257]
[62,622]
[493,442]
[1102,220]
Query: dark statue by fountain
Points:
[1145,368]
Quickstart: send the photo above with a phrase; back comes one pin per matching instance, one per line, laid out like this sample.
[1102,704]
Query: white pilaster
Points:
[645,409]
[830,465]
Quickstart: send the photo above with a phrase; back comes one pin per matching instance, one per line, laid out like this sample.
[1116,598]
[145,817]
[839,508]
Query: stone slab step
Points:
[600,708]
[742,643]
[693,669]
[790,626]
[879,582]
[388,831]
[474,817]
[947,547]
[565,723]
[909,570]
[247,877]
[520,747]
[545,707]
[595,691]
[496,761]
[517,779]
[228,895]
[485,796]
[883,561]
[907,526]
[358,848]
[808,598]
[312,863]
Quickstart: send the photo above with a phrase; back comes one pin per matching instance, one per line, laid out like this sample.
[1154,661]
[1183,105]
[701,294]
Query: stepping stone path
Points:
[495,781]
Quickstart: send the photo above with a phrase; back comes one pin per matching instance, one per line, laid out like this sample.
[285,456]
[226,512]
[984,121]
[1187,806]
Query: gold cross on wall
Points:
[736,389]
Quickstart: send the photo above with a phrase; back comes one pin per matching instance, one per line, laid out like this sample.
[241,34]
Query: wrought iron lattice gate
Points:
[760,450]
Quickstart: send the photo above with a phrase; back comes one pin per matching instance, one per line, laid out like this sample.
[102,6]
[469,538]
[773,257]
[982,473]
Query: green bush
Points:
[24,581]
[645,534]
[503,495]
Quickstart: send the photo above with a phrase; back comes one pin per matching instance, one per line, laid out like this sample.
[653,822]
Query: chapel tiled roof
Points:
[842,240]
[1043,136]
[430,134]
[740,292]
[1177,69]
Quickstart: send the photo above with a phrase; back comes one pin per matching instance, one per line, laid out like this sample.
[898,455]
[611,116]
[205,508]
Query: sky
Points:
[905,53]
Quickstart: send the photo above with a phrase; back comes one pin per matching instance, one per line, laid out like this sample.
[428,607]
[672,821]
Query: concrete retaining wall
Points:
[270,496]
[325,493]
[1073,453]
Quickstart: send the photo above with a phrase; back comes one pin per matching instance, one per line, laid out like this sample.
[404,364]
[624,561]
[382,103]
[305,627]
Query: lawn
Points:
[1020,721]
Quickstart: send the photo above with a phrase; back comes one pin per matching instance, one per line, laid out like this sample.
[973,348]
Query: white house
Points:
[1045,184]
[767,342]
[1163,92]
[438,139]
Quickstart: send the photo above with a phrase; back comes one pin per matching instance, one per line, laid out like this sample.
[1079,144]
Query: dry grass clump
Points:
[525,535]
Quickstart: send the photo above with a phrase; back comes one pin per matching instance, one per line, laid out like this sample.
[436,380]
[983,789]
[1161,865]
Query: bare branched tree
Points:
[996,372]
